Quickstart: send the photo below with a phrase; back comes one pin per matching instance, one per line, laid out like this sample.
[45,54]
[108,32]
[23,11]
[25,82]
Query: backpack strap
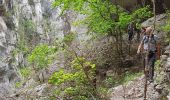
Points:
[152,37]
[144,38]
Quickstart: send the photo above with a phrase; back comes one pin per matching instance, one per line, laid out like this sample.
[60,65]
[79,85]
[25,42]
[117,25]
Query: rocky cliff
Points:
[39,23]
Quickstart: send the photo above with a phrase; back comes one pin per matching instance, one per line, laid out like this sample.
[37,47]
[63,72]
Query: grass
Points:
[122,80]
[129,76]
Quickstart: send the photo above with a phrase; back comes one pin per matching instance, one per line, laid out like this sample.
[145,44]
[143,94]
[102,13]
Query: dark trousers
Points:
[150,64]
[130,33]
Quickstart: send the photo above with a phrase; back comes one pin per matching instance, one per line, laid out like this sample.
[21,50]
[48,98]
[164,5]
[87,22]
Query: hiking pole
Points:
[146,67]
[145,63]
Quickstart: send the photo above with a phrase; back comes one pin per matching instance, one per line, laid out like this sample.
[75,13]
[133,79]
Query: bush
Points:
[25,72]
[77,83]
[40,56]
[166,27]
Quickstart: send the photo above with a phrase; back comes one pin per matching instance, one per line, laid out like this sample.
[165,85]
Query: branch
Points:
[92,3]
[154,11]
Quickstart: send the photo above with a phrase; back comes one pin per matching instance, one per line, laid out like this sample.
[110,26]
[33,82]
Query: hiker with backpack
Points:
[149,43]
[130,31]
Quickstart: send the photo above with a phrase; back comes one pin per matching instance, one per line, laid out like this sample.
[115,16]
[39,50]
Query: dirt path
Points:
[134,90]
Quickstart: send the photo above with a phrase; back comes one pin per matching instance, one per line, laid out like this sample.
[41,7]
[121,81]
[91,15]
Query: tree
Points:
[102,18]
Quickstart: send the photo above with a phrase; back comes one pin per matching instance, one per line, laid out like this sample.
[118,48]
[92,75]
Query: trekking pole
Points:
[146,67]
[145,63]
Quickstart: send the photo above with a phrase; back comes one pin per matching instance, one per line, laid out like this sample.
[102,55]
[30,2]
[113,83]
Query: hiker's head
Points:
[148,30]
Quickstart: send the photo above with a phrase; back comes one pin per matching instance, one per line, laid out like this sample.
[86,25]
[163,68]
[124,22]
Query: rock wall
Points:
[8,72]
[34,19]
[163,76]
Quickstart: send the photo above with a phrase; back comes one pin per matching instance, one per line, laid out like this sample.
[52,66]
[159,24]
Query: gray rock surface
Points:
[49,25]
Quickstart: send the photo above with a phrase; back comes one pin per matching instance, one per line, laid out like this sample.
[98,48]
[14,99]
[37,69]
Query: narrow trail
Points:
[134,90]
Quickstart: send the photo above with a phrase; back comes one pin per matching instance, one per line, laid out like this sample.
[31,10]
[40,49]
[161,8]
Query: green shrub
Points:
[25,72]
[18,84]
[75,84]
[166,27]
[41,56]
[130,77]
[69,37]
[142,14]
[124,79]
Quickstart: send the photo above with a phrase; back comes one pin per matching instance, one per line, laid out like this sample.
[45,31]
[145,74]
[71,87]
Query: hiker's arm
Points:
[139,47]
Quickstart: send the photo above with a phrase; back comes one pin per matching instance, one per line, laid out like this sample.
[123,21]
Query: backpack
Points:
[152,38]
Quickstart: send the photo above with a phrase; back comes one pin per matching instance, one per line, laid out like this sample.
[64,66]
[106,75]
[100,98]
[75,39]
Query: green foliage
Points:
[26,32]
[166,27]
[102,17]
[28,26]
[124,79]
[103,92]
[124,19]
[7,14]
[142,14]
[22,46]
[18,84]
[157,66]
[131,76]
[77,81]
[98,13]
[159,70]
[69,4]
[69,37]
[25,72]
[157,63]
[40,57]
[111,82]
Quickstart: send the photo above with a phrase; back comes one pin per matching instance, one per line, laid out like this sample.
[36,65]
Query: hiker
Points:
[130,31]
[151,53]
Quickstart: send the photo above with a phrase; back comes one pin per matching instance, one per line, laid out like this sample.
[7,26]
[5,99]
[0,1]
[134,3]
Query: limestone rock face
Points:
[8,73]
[43,22]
